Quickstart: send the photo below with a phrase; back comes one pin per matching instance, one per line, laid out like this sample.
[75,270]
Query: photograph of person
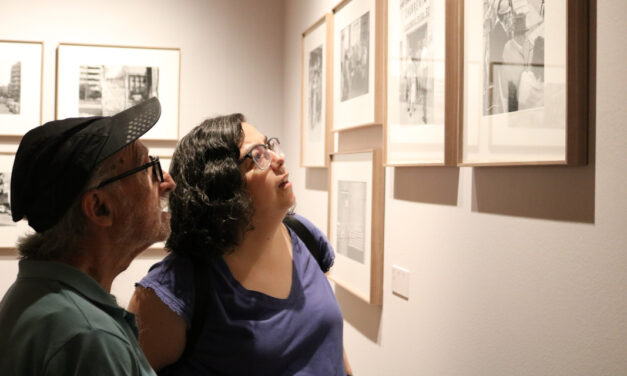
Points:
[513,46]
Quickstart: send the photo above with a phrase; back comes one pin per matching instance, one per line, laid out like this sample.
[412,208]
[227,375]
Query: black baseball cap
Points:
[54,161]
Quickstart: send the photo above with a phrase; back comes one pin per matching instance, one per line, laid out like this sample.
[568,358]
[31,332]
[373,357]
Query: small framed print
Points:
[97,80]
[356,211]
[317,94]
[525,91]
[358,64]
[423,72]
[9,231]
[21,67]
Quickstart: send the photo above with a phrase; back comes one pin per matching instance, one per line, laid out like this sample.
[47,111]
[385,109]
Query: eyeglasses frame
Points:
[157,172]
[267,150]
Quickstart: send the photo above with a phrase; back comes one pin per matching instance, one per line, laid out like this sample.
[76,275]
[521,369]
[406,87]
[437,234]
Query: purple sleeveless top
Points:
[250,333]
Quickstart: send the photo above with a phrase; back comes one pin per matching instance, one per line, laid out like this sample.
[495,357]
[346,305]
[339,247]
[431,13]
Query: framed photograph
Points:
[9,230]
[104,80]
[317,86]
[525,93]
[423,72]
[21,69]
[356,211]
[358,64]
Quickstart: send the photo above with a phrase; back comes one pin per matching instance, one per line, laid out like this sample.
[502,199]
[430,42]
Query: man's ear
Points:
[97,208]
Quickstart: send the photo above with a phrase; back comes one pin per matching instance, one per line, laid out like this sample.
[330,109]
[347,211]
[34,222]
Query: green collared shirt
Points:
[56,320]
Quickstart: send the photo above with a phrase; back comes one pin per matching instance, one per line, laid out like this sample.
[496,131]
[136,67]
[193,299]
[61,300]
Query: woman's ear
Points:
[97,208]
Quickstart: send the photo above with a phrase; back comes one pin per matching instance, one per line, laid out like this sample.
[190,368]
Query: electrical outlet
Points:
[400,281]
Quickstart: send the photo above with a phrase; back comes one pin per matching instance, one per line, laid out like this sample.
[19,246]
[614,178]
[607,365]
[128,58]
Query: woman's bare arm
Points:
[161,331]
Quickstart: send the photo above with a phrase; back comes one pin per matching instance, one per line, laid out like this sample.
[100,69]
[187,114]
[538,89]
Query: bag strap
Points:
[305,235]
[202,287]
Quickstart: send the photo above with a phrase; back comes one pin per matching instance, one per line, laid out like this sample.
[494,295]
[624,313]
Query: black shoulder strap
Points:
[305,235]
[201,301]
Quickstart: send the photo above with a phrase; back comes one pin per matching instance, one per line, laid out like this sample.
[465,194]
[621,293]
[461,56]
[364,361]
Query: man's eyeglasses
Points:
[260,154]
[154,162]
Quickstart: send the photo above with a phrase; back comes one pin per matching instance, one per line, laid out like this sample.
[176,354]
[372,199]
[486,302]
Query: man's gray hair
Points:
[61,240]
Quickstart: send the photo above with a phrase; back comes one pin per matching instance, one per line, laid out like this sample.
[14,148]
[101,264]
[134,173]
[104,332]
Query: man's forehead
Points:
[133,153]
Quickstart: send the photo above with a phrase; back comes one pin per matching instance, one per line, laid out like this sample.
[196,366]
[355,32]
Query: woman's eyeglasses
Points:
[260,154]
[154,162]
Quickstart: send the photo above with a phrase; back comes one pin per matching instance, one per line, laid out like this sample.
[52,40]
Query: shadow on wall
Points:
[317,179]
[432,185]
[554,193]
[364,317]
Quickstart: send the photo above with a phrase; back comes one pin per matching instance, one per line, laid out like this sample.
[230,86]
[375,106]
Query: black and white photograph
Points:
[95,80]
[314,96]
[351,219]
[513,35]
[5,199]
[354,50]
[105,90]
[416,80]
[6,165]
[10,85]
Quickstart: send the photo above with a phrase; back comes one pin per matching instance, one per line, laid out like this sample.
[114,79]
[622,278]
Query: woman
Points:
[266,306]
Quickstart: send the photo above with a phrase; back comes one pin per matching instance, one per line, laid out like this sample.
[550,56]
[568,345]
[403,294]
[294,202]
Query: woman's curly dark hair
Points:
[210,207]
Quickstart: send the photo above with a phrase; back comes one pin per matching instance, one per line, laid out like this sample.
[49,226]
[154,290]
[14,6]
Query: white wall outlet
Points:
[400,281]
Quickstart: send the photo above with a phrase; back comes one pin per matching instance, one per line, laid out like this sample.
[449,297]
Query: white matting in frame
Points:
[316,116]
[9,230]
[516,91]
[20,86]
[356,66]
[104,80]
[356,223]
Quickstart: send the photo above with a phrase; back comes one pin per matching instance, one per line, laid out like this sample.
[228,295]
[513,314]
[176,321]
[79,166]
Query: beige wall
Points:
[514,271]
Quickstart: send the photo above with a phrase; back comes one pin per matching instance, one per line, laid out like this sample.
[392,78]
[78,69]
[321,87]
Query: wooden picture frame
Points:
[317,93]
[21,81]
[104,80]
[525,86]
[358,64]
[356,221]
[423,71]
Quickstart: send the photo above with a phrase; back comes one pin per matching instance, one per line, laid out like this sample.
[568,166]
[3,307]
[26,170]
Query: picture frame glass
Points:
[20,86]
[354,64]
[314,96]
[416,82]
[104,80]
[9,231]
[514,81]
[350,221]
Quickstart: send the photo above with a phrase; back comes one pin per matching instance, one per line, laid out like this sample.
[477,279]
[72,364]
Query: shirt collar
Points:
[71,277]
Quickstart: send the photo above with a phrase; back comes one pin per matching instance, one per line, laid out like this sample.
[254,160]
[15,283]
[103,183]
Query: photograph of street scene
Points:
[351,219]
[105,90]
[5,197]
[355,56]
[416,80]
[10,86]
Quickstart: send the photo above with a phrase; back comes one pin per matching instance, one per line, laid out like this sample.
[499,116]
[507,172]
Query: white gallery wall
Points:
[231,61]
[513,271]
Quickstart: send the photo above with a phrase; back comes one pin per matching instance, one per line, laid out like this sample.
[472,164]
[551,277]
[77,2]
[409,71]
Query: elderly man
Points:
[93,196]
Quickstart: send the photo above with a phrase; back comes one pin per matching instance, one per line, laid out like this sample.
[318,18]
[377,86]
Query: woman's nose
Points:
[167,185]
